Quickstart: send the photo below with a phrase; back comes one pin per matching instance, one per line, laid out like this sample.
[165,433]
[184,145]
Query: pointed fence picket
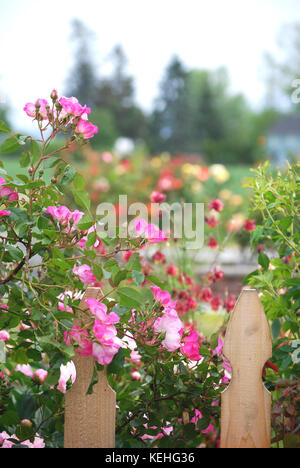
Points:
[245,404]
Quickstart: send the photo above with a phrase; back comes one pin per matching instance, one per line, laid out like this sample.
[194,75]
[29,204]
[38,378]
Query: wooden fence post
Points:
[246,404]
[89,419]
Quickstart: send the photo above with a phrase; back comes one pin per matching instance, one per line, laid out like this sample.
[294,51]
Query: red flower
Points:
[172,270]
[157,197]
[215,275]
[212,243]
[216,205]
[249,225]
[215,303]
[159,257]
[211,222]
[206,295]
[229,303]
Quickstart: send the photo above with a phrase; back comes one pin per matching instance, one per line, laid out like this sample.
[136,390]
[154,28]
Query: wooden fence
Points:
[245,404]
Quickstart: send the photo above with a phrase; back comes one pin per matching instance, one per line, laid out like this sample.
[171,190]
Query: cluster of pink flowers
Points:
[39,375]
[66,111]
[169,323]
[149,231]
[65,217]
[102,342]
[85,274]
[6,192]
[38,442]
[191,345]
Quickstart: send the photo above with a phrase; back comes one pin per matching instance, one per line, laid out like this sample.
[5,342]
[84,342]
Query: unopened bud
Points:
[26,423]
[54,95]
[30,170]
[53,180]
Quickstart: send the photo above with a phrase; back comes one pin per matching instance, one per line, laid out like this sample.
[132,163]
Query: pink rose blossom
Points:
[80,337]
[4,335]
[100,310]
[157,197]
[8,192]
[86,129]
[163,297]
[25,369]
[172,326]
[216,205]
[218,350]
[191,346]
[4,213]
[85,274]
[67,372]
[40,375]
[30,109]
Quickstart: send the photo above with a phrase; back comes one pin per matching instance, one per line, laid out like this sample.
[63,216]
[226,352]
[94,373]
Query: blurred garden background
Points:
[187,98]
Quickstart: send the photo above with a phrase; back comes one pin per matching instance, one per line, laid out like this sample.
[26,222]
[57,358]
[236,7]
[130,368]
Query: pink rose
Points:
[85,274]
[157,197]
[86,129]
[216,205]
[67,373]
[4,335]
[4,213]
[100,310]
[40,375]
[172,326]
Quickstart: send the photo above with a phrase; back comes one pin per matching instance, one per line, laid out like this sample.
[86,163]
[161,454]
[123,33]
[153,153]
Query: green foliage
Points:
[277,201]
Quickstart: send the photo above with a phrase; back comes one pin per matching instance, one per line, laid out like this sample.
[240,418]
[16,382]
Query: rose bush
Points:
[276,201]
[167,375]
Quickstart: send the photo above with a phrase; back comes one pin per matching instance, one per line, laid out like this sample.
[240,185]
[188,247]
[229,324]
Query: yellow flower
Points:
[219,173]
[156,162]
[225,194]
[196,187]
[236,200]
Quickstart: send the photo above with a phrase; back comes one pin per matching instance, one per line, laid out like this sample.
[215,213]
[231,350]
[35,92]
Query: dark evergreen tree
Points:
[82,80]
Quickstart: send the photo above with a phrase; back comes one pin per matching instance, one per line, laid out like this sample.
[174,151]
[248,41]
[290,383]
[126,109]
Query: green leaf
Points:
[68,175]
[82,199]
[285,223]
[117,363]
[9,418]
[276,327]
[14,252]
[35,151]
[85,223]
[3,127]
[130,297]
[263,260]
[156,281]
[94,381]
[10,145]
[79,182]
[291,441]
[137,277]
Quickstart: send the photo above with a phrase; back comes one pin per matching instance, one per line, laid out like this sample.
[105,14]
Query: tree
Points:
[116,93]
[169,126]
[82,79]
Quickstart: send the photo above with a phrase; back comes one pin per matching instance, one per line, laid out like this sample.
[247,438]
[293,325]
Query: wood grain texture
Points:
[89,419]
[246,404]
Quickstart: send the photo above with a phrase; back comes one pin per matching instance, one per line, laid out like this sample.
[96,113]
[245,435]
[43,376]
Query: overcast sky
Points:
[36,52]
